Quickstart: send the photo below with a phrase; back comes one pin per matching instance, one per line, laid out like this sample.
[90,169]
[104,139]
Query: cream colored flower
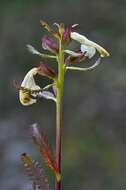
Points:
[87,44]
[29,92]
[27,85]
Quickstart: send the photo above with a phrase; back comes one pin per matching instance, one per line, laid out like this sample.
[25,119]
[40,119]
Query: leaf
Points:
[41,141]
[35,172]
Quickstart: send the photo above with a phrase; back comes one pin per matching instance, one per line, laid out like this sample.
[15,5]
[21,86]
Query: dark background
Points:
[94,121]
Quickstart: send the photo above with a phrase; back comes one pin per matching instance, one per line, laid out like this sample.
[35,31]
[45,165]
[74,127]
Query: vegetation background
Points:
[94,121]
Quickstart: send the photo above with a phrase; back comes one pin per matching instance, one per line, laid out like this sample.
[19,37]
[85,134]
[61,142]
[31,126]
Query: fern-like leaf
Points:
[35,172]
[41,141]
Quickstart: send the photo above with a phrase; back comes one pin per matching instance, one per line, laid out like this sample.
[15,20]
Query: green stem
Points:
[60,83]
[47,56]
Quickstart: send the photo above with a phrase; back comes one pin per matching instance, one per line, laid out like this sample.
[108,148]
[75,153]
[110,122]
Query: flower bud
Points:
[49,29]
[61,28]
[47,71]
[49,44]
[66,38]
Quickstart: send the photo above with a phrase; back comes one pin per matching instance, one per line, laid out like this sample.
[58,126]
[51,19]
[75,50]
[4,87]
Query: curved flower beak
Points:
[88,43]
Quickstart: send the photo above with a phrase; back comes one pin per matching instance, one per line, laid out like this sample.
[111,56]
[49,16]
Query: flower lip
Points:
[84,40]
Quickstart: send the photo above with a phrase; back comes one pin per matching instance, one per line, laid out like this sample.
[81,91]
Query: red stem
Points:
[58,137]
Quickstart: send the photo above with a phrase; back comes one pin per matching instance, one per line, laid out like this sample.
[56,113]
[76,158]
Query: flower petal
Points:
[47,95]
[29,81]
[90,51]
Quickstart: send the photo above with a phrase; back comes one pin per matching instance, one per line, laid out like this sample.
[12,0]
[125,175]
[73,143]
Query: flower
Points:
[88,45]
[29,91]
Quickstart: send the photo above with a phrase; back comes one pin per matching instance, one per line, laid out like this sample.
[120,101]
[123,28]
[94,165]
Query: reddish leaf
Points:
[35,172]
[45,149]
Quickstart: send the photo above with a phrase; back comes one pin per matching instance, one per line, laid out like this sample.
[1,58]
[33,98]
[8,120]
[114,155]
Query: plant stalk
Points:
[60,84]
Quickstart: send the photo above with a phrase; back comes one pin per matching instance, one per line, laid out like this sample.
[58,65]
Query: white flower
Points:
[29,92]
[28,83]
[88,44]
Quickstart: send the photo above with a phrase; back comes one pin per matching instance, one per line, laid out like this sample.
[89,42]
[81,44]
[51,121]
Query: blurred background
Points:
[94,120]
